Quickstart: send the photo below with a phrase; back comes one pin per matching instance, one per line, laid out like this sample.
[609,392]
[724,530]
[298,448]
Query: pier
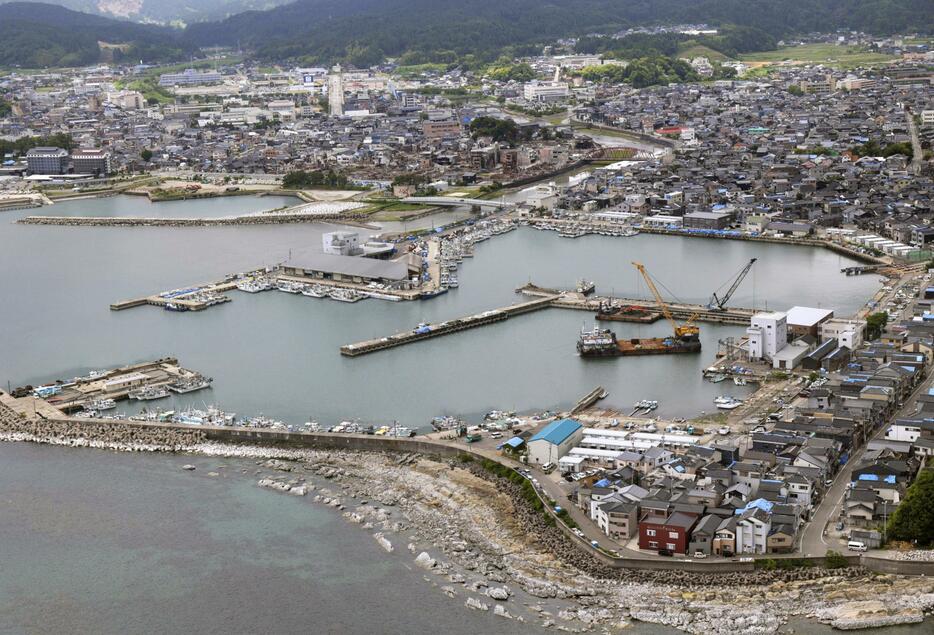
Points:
[589,399]
[681,311]
[456,325]
[545,298]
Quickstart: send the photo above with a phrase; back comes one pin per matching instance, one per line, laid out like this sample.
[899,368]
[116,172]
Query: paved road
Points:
[814,541]
[915,143]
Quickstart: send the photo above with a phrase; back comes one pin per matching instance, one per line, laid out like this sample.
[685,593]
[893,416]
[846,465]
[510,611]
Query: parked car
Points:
[666,552]
[700,554]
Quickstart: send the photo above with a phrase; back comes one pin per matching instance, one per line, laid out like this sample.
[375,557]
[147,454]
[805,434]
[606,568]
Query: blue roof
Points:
[557,431]
[515,442]
[761,503]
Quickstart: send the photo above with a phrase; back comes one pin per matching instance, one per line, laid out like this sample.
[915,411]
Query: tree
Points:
[913,520]
[146,155]
[875,323]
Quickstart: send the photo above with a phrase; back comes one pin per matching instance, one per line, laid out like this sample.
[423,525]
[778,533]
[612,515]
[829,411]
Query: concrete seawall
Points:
[171,437]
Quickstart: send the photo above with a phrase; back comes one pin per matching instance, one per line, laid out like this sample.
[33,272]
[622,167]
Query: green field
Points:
[690,51]
[829,54]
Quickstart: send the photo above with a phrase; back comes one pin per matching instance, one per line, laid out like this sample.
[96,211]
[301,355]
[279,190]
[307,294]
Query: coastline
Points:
[482,544]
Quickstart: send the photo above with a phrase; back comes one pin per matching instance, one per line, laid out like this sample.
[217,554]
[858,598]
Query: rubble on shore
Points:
[479,542]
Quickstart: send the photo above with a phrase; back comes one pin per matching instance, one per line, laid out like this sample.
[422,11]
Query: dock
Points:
[680,311]
[589,399]
[456,325]
[64,396]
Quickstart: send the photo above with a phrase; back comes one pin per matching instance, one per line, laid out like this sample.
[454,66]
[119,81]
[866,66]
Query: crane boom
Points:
[688,329]
[719,304]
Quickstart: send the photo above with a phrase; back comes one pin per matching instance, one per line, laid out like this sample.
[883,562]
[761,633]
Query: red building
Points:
[673,534]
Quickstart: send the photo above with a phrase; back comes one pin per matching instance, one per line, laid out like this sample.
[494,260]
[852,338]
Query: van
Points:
[548,468]
[856,545]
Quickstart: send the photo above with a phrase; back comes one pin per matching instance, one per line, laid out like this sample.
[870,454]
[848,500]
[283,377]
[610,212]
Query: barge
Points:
[603,343]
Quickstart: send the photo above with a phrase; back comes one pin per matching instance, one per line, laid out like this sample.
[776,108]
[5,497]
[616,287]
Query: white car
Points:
[723,431]
[699,555]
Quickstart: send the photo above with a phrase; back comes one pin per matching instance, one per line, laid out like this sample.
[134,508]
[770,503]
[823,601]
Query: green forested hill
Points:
[37,35]
[366,30]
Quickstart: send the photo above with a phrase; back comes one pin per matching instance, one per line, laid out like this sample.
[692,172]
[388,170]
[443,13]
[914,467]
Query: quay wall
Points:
[898,567]
[807,242]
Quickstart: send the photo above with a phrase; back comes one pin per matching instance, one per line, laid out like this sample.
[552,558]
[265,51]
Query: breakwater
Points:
[256,219]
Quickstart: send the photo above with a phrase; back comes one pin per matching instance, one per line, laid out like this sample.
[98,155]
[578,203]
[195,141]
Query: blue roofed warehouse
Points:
[554,441]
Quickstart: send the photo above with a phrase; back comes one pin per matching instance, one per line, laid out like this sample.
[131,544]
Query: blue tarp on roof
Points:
[603,483]
[761,503]
[557,431]
[868,477]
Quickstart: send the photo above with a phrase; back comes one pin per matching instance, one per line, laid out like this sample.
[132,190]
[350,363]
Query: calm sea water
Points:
[277,354]
[97,542]
[102,543]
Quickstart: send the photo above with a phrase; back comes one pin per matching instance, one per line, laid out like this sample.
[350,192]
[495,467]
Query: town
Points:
[356,204]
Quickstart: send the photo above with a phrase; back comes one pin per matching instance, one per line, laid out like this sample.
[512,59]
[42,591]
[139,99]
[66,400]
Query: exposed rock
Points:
[473,603]
[425,561]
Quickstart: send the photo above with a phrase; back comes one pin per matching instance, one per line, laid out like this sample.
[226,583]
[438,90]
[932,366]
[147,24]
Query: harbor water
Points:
[277,354]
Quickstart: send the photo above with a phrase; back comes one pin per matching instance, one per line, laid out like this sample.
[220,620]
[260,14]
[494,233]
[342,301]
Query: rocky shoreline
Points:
[488,548]
[480,543]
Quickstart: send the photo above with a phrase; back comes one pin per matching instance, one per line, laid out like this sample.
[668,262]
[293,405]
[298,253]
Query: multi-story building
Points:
[46,160]
[545,91]
[848,333]
[768,334]
[188,77]
[91,161]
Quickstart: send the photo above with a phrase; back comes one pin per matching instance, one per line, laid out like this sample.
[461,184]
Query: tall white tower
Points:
[336,91]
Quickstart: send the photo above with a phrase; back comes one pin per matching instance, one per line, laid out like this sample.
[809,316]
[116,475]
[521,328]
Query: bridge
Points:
[451,201]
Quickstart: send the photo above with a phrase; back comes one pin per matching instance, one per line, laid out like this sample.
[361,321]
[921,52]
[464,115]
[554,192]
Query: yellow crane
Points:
[686,331]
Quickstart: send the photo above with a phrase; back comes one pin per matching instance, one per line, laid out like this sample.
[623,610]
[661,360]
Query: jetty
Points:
[679,310]
[428,331]
[589,399]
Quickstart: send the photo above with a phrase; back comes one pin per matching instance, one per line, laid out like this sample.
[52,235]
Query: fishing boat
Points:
[716,377]
[191,383]
[446,423]
[100,404]
[315,291]
[345,295]
[727,403]
[149,393]
[739,381]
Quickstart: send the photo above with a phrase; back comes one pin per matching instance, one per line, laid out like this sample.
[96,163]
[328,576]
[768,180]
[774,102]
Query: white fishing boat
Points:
[149,393]
[100,404]
[345,295]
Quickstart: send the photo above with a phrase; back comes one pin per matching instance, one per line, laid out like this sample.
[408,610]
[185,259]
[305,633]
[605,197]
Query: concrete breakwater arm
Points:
[122,221]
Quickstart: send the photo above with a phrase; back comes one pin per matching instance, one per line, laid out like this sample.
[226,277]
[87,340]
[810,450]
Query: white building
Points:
[340,243]
[545,91]
[554,441]
[752,531]
[904,430]
[768,334]
[848,333]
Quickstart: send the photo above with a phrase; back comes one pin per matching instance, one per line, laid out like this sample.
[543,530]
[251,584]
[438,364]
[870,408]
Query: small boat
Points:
[315,291]
[100,404]
[727,403]
[149,393]
[191,383]
[345,295]
[739,381]
[716,377]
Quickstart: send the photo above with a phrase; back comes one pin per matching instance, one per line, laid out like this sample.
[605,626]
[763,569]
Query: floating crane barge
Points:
[603,342]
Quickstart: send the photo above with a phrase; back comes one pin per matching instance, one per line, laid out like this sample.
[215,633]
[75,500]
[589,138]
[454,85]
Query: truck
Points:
[473,434]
